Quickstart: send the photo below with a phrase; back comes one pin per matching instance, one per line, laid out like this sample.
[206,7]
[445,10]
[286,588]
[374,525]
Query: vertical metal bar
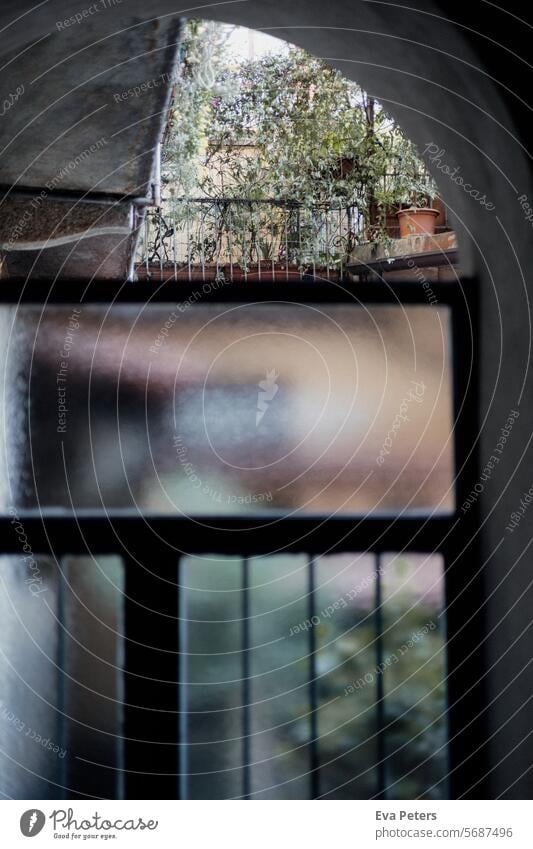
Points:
[286,243]
[188,236]
[315,239]
[299,225]
[62,677]
[258,245]
[121,697]
[341,244]
[380,690]
[156,185]
[273,208]
[183,696]
[245,614]
[160,245]
[465,619]
[313,689]
[326,211]
[151,676]
[218,232]
[230,241]
[174,246]
[244,258]
[202,237]
[146,237]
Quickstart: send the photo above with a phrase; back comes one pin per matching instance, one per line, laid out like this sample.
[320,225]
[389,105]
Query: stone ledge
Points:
[390,253]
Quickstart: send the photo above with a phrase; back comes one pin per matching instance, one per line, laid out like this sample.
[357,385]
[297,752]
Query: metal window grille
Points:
[152,727]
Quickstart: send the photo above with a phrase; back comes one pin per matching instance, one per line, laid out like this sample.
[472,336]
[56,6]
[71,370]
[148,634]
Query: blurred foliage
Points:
[414,686]
[286,125]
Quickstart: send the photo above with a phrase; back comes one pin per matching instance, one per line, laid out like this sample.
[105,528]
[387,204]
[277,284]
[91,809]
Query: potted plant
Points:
[417,220]
[412,189]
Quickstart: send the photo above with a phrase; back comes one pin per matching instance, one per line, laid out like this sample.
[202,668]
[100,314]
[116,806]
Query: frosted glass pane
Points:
[32,746]
[230,409]
[414,680]
[92,643]
[211,662]
[345,633]
[60,677]
[279,670]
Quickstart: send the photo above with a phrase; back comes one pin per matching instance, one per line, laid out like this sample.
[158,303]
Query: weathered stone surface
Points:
[31,222]
[84,106]
[374,252]
[83,121]
[66,238]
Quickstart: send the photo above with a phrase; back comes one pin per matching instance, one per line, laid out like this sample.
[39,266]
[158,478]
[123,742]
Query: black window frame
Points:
[160,540]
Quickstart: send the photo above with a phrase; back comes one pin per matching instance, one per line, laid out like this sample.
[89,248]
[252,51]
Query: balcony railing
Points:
[241,239]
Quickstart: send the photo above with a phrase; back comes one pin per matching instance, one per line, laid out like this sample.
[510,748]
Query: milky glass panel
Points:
[235,409]
[279,678]
[211,695]
[344,627]
[414,678]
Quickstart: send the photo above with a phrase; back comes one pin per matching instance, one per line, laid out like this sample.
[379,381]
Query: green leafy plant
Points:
[411,185]
[285,126]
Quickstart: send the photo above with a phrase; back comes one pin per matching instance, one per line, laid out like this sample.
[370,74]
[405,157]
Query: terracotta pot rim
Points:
[415,209]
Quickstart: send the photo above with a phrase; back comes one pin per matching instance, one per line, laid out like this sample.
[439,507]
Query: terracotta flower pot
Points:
[417,220]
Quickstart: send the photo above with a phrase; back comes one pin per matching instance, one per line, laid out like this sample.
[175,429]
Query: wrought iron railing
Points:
[233,238]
